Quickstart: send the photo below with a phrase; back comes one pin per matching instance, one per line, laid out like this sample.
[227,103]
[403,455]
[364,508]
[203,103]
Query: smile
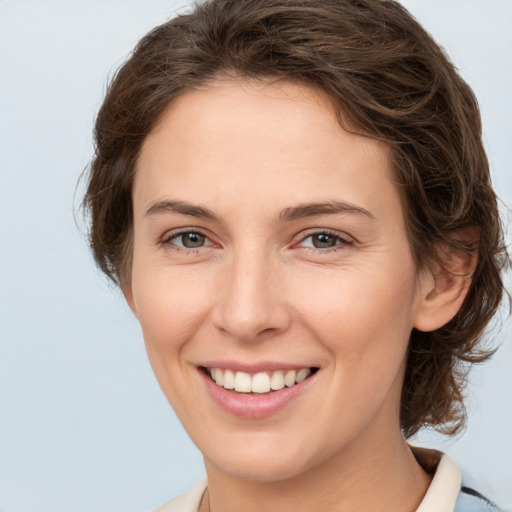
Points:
[261,382]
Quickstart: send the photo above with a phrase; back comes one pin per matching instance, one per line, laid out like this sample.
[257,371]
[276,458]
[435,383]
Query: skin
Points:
[259,290]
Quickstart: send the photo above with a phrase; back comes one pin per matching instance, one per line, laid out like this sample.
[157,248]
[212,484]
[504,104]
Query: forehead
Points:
[258,141]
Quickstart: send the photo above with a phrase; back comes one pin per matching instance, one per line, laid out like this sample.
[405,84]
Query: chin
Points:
[259,461]
[263,471]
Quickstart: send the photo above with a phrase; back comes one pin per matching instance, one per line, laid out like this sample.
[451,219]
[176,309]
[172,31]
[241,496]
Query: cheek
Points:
[171,305]
[171,310]
[364,323]
[362,318]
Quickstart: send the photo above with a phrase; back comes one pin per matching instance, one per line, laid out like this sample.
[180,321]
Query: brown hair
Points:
[390,81]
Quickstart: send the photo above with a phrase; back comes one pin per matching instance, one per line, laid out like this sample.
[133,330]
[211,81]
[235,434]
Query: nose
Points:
[250,304]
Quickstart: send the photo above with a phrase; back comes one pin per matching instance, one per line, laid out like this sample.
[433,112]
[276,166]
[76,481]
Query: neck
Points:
[373,478]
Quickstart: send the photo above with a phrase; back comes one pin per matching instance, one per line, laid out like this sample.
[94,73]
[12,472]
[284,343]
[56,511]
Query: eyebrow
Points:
[331,207]
[159,207]
[291,213]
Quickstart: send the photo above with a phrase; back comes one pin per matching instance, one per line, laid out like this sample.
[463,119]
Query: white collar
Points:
[188,501]
[444,488]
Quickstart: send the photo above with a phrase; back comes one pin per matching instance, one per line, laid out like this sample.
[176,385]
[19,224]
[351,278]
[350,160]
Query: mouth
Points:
[260,383]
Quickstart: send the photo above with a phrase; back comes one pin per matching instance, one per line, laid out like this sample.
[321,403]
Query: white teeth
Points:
[277,381]
[289,378]
[218,376]
[302,374]
[261,382]
[229,379]
[242,382]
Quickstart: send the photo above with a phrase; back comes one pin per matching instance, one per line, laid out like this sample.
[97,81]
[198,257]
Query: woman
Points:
[294,198]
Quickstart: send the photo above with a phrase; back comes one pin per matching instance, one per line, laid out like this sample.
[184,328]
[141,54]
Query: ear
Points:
[444,286]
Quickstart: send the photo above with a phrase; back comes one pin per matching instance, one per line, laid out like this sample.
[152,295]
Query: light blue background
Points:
[83,424]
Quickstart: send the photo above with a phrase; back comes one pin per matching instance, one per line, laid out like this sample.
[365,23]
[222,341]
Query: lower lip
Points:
[254,405]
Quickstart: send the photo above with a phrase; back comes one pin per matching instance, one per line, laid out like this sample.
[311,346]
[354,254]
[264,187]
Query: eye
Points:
[324,240]
[192,240]
[188,240]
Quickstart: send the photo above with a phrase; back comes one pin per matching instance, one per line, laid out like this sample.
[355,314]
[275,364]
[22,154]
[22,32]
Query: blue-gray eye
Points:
[191,240]
[324,240]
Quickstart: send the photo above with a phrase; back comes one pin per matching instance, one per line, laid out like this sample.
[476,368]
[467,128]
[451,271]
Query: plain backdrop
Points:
[83,424]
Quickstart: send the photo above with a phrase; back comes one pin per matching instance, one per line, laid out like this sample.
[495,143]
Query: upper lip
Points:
[262,366]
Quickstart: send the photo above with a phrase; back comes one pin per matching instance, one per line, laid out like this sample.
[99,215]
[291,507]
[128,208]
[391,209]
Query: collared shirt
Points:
[446,493]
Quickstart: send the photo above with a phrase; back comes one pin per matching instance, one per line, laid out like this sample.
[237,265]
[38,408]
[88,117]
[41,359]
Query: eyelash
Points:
[169,240]
[343,241]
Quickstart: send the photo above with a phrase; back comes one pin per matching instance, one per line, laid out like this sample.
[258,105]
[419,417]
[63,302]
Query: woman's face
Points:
[269,246]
